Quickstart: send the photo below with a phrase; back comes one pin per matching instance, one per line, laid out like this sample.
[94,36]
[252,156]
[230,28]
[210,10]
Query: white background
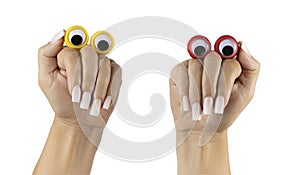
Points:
[265,138]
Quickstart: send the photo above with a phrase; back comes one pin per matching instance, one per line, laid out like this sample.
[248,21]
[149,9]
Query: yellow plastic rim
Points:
[67,41]
[111,44]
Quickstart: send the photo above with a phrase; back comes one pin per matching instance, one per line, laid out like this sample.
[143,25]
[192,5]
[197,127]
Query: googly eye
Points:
[103,42]
[198,46]
[227,47]
[76,37]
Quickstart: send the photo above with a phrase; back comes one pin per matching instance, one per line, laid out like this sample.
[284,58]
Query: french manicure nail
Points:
[86,99]
[196,111]
[76,93]
[95,109]
[58,36]
[185,103]
[207,105]
[245,48]
[219,105]
[107,102]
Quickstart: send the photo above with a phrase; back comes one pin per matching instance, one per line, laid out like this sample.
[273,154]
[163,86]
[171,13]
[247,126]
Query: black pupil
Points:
[227,50]
[199,50]
[76,40]
[103,45]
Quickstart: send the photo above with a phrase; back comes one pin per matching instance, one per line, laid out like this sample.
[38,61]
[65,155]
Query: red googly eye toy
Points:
[198,47]
[227,47]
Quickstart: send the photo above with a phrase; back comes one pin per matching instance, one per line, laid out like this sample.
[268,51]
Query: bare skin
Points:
[233,79]
[70,147]
[73,141]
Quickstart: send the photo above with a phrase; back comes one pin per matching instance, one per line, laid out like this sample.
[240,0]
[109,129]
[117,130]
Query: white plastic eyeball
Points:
[198,46]
[76,37]
[226,46]
[103,42]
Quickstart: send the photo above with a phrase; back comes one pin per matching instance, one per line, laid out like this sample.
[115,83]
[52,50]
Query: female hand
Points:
[212,89]
[78,82]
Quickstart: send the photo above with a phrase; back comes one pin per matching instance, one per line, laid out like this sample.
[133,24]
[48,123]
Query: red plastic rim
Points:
[217,44]
[197,37]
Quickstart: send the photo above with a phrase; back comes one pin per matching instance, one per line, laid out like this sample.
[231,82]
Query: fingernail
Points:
[86,99]
[245,48]
[95,110]
[219,105]
[76,93]
[185,103]
[107,102]
[196,111]
[207,105]
[58,36]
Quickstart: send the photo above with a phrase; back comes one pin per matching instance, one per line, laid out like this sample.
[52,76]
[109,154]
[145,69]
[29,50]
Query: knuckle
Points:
[87,48]
[118,70]
[195,63]
[232,64]
[228,62]
[178,67]
[112,62]
[41,82]
[105,63]
[41,50]
[115,78]
[258,64]
[249,96]
[68,52]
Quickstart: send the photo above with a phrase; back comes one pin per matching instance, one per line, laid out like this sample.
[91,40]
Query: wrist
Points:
[70,149]
[89,134]
[209,159]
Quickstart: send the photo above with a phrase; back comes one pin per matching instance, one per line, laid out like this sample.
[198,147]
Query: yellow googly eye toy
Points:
[103,42]
[76,37]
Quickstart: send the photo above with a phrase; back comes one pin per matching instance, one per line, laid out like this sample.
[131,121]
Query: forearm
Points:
[67,151]
[210,159]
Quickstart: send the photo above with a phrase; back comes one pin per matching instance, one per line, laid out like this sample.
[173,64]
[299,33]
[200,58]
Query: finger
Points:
[89,59]
[179,97]
[180,76]
[195,87]
[230,70]
[68,60]
[212,64]
[112,90]
[175,99]
[101,86]
[47,57]
[77,81]
[250,68]
[114,85]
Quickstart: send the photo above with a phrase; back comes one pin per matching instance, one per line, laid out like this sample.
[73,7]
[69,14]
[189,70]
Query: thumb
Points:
[248,62]
[250,69]
[47,54]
